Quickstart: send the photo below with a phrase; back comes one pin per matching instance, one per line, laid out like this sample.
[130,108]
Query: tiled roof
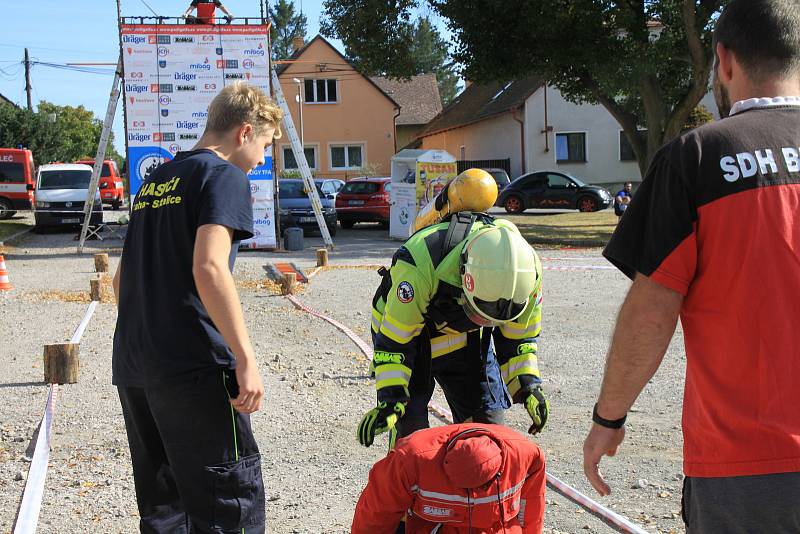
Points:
[418,97]
[482,101]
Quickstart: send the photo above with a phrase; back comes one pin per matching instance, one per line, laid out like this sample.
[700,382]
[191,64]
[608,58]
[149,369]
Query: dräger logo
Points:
[187,125]
[133,39]
[185,88]
[139,137]
[437,512]
[186,77]
[135,88]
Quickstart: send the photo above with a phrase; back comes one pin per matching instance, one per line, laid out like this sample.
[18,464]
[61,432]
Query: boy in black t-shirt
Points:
[183,362]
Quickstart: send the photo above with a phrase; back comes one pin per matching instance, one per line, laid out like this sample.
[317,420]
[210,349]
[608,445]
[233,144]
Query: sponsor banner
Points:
[262,197]
[172,72]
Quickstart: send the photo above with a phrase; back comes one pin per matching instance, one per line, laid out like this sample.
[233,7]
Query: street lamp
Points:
[299,99]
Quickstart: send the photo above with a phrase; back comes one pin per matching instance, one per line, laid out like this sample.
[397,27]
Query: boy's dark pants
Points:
[196,465]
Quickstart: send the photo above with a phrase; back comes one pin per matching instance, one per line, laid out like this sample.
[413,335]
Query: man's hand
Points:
[251,388]
[379,419]
[538,408]
[600,442]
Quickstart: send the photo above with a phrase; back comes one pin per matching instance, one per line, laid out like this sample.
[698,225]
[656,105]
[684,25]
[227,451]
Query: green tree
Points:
[286,24]
[54,133]
[431,55]
[647,62]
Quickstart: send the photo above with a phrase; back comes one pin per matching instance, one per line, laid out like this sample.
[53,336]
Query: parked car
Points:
[16,181]
[295,206]
[552,189]
[500,176]
[61,193]
[112,191]
[364,200]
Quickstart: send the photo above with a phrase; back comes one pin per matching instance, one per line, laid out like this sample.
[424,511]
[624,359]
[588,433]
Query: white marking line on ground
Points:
[609,517]
[28,514]
[579,268]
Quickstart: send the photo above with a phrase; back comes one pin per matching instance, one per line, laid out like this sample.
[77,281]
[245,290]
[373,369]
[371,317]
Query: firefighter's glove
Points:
[379,419]
[538,408]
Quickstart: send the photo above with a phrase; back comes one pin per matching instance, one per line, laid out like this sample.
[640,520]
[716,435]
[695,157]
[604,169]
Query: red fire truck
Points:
[16,181]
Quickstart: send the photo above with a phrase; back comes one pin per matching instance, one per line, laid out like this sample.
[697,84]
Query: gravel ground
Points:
[317,389]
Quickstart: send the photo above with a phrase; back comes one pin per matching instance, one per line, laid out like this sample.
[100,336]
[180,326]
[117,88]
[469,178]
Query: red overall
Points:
[417,479]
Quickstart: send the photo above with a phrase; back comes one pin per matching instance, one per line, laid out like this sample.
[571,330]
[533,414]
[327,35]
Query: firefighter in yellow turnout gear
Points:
[461,305]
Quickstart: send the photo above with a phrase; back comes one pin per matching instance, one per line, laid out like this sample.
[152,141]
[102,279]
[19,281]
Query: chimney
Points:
[297,43]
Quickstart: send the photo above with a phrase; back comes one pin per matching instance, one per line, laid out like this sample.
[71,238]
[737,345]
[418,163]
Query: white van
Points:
[61,192]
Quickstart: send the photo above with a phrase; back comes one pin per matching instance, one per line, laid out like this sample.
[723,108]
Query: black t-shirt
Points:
[163,330]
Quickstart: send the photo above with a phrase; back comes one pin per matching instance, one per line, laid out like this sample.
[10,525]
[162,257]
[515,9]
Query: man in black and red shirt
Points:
[206,11]
[713,236]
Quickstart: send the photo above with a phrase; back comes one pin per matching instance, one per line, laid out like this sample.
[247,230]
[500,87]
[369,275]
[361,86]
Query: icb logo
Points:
[164,100]
[248,63]
[147,165]
[174,148]
[162,51]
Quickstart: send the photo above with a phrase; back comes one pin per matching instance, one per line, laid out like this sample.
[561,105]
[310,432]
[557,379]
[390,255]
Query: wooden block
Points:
[322,257]
[61,363]
[101,262]
[288,283]
[95,289]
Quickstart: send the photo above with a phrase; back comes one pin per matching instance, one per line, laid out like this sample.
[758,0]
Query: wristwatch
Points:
[608,423]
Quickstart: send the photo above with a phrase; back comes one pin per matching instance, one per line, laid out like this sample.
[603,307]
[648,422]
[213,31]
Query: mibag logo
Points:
[185,88]
[184,39]
[255,51]
[138,137]
[200,115]
[234,76]
[205,65]
[133,39]
[185,76]
[135,88]
[184,137]
[188,125]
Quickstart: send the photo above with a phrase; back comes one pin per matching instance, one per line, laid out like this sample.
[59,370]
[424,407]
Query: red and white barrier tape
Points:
[609,517]
[28,514]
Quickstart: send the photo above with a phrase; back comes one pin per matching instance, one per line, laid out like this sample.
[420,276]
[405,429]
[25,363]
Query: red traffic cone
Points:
[5,283]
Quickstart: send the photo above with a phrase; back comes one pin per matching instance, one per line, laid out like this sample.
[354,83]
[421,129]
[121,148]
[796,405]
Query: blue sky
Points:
[82,31]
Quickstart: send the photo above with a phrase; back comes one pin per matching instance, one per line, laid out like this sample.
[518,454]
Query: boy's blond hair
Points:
[240,103]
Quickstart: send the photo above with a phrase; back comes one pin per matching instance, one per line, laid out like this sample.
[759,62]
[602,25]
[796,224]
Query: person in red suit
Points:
[206,9]
[456,479]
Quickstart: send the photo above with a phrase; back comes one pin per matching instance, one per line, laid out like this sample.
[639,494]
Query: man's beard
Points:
[722,96]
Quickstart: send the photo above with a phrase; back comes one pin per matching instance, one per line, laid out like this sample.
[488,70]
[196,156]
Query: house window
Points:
[463,151]
[346,157]
[571,147]
[321,91]
[625,148]
[289,163]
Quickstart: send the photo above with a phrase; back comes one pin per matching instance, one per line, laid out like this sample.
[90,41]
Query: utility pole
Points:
[28,79]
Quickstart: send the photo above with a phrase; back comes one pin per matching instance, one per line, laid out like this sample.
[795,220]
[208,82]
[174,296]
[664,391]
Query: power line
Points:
[150,8]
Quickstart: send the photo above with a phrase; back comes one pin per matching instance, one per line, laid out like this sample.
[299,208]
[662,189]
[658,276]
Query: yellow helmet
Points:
[498,275]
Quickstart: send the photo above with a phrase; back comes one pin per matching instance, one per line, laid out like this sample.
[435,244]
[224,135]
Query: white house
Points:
[531,124]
